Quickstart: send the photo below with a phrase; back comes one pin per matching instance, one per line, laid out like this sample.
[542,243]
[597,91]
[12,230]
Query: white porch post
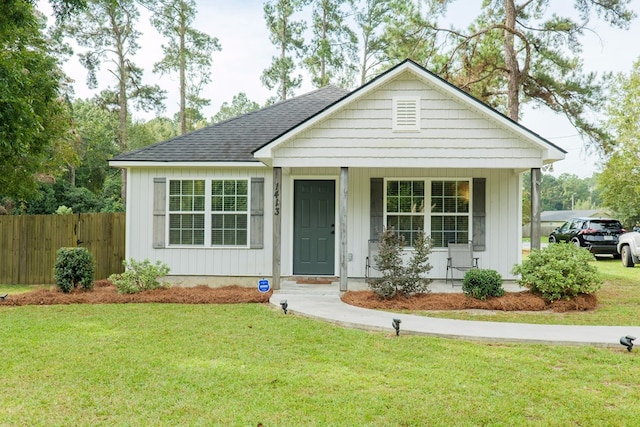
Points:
[535,208]
[277,227]
[344,256]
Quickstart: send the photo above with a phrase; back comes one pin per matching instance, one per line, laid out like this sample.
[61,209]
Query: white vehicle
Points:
[629,248]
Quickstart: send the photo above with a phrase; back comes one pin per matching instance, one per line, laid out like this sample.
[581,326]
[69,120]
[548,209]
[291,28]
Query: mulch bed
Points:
[104,292]
[511,301]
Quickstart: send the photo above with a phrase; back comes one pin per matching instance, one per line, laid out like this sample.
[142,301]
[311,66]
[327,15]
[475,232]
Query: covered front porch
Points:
[493,219]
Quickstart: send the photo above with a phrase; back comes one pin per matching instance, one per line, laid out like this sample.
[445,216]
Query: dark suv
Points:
[599,235]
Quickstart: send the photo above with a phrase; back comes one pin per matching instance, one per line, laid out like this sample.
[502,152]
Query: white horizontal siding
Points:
[450,130]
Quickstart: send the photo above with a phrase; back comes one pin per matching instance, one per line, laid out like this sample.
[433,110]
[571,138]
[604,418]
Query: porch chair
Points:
[460,258]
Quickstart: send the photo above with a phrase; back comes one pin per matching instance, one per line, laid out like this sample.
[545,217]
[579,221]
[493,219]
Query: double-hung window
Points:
[229,212]
[450,213]
[222,219]
[186,212]
[440,206]
[405,208]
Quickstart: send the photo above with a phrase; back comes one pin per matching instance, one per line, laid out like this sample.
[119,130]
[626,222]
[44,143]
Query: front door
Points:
[314,227]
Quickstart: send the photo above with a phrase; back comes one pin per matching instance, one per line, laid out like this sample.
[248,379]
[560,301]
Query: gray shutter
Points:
[257,213]
[376,208]
[479,213]
[159,214]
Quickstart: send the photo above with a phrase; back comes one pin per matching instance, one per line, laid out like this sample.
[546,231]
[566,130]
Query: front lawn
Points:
[240,365]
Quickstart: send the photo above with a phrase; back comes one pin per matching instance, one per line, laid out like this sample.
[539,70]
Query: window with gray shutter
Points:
[376,210]
[479,214]
[257,213]
[159,214]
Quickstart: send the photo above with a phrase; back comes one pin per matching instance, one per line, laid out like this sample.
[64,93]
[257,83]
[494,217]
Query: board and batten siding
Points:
[195,261]
[452,135]
[502,210]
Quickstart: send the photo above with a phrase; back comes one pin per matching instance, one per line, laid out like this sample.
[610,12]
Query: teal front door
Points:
[314,229]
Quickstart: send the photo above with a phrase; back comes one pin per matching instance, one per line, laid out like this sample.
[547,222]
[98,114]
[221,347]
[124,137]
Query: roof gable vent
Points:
[406,114]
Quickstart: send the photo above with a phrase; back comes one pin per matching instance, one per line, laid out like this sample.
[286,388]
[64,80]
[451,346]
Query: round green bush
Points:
[73,267]
[482,283]
[559,271]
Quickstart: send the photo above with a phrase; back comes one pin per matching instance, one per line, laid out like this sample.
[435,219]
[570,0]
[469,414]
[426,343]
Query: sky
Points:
[247,51]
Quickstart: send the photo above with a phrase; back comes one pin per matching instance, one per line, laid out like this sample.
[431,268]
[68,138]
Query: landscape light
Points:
[3,297]
[627,341]
[396,325]
[284,306]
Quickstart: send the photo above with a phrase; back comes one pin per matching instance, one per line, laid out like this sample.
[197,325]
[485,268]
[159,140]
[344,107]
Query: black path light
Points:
[627,341]
[396,325]
[284,305]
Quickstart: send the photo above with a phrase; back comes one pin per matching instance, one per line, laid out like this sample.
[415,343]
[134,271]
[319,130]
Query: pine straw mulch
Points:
[511,301]
[104,292]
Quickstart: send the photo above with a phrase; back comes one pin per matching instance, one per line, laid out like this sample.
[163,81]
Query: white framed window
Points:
[406,114]
[439,206]
[186,212]
[450,212]
[229,212]
[225,213]
[404,207]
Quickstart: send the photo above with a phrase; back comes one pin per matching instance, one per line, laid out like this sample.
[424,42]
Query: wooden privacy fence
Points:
[28,244]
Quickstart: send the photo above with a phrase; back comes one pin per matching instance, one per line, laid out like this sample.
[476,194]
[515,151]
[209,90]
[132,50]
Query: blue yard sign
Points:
[263,285]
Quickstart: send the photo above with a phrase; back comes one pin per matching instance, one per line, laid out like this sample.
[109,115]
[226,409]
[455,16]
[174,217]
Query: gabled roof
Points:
[234,140]
[251,137]
[551,151]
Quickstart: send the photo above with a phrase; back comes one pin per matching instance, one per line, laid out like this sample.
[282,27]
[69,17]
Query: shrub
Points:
[481,283]
[559,271]
[396,278]
[73,267]
[139,276]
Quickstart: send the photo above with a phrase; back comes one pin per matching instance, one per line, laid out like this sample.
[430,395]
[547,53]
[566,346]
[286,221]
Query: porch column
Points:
[344,256]
[277,227]
[535,208]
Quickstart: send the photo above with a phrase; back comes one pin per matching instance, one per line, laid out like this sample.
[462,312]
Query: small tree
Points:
[397,278]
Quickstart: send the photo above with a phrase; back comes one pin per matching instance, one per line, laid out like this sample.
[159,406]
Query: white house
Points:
[301,187]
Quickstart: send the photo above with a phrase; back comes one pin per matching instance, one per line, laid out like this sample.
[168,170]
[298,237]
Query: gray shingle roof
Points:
[235,139]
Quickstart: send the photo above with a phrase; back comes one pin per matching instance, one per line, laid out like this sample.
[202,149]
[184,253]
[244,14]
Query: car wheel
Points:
[576,242]
[552,239]
[627,258]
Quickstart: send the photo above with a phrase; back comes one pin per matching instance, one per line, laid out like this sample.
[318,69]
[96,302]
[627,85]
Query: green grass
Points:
[237,365]
[18,289]
[618,301]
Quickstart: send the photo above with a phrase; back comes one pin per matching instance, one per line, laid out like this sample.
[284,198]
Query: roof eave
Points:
[157,164]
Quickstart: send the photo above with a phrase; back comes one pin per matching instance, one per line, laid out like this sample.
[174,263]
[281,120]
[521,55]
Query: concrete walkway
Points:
[323,302]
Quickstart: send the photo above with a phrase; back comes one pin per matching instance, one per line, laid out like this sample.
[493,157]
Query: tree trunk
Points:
[511,62]
[283,53]
[183,80]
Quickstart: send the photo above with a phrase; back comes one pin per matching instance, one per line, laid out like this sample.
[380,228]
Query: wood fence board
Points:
[28,244]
